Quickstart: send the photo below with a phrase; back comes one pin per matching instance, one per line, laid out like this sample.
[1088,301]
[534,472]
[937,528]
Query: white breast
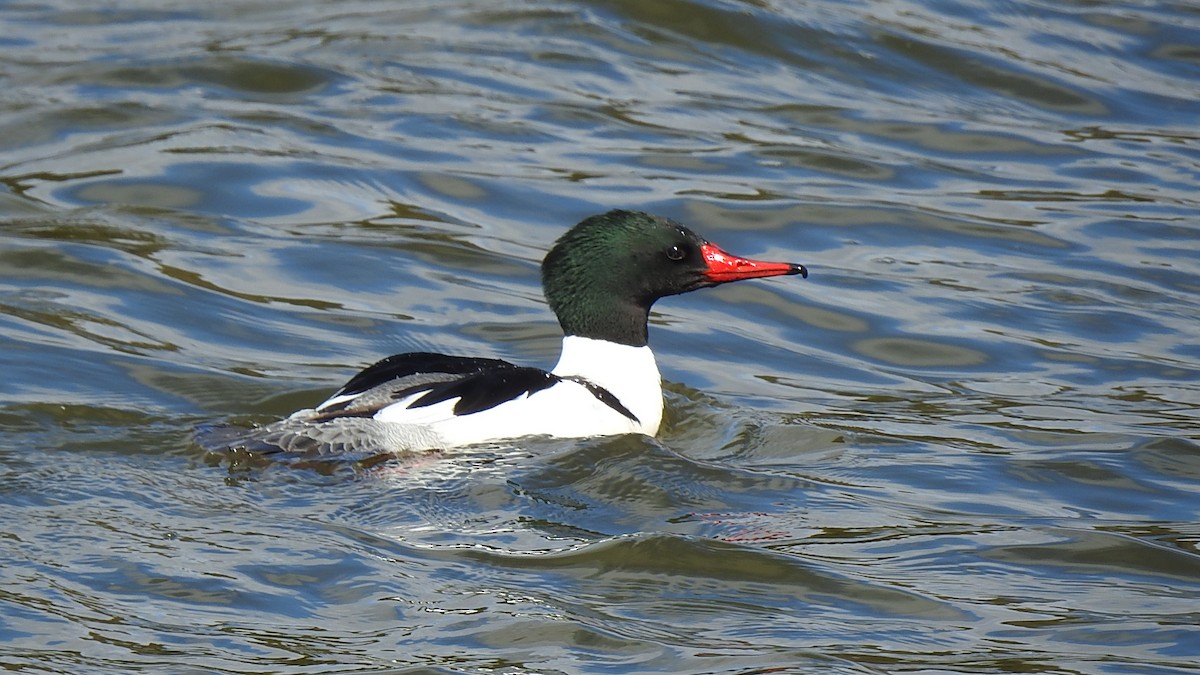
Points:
[629,373]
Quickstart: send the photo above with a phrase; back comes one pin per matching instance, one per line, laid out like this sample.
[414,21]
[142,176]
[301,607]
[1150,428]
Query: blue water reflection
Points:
[967,443]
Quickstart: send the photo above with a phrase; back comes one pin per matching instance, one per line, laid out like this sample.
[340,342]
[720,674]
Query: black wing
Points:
[400,366]
[478,384]
[485,389]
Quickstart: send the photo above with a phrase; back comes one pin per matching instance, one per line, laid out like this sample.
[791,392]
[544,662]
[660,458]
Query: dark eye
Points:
[676,252]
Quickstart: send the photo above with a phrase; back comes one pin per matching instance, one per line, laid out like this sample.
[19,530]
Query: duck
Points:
[600,280]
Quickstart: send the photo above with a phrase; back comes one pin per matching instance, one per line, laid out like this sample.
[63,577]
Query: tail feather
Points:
[340,439]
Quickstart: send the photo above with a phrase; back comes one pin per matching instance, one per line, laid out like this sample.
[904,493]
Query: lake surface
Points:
[968,443]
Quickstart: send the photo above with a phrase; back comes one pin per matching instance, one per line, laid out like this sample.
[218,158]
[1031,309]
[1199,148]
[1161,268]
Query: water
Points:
[969,442]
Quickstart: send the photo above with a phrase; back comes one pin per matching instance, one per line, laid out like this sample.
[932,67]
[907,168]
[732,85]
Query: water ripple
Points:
[968,442]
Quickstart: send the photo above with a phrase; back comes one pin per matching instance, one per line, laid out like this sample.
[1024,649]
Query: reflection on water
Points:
[968,443]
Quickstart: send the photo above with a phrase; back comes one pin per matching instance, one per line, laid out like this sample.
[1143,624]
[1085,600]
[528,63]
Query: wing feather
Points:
[400,366]
[386,381]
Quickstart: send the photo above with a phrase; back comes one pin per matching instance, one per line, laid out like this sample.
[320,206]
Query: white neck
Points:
[629,373]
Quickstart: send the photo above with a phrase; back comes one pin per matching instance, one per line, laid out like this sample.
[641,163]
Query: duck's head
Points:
[603,275]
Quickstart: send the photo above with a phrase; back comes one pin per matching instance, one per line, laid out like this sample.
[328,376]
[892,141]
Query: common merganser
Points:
[600,279]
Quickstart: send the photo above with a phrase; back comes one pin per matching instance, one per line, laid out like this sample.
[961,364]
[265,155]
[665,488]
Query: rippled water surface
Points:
[968,443]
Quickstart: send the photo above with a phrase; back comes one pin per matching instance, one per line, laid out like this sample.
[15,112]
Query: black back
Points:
[485,389]
[400,366]
[478,384]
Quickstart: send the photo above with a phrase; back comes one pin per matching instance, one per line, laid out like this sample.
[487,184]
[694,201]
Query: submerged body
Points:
[600,279]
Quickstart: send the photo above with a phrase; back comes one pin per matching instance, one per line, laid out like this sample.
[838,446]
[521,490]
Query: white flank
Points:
[565,410]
